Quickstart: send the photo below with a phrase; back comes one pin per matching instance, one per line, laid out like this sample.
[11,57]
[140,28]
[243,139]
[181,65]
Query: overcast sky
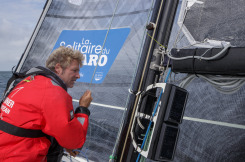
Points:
[18,19]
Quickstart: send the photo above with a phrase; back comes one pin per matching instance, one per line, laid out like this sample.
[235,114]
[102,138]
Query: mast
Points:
[163,16]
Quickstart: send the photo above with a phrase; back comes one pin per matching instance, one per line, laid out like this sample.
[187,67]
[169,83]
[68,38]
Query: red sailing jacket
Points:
[40,104]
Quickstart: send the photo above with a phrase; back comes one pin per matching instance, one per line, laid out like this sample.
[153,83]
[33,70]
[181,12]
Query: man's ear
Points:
[58,69]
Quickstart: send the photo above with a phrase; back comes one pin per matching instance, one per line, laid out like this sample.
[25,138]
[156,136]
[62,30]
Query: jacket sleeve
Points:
[60,121]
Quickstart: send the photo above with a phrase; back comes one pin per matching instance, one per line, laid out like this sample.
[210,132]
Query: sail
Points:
[213,123]
[110,34]
[213,127]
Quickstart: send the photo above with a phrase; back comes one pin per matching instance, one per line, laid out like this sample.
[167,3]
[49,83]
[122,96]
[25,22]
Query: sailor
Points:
[37,116]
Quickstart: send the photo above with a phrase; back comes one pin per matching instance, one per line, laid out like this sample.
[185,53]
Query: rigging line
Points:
[221,83]
[104,43]
[166,79]
[103,105]
[169,73]
[175,43]
[141,81]
[239,126]
[156,40]
[180,38]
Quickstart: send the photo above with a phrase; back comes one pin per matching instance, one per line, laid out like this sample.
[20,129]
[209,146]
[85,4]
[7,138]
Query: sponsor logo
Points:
[7,105]
[99,48]
[98,76]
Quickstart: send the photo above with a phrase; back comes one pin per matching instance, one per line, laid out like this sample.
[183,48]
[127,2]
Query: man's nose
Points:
[77,75]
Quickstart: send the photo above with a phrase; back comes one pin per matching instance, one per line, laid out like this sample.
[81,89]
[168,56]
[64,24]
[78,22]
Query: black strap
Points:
[82,110]
[20,132]
[193,63]
[55,151]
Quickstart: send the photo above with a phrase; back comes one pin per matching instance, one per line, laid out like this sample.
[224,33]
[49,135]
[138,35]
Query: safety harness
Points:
[22,132]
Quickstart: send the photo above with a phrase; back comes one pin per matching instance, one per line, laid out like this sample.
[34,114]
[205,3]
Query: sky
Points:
[18,19]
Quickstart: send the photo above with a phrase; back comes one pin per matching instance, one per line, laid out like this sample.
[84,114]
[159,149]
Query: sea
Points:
[4,77]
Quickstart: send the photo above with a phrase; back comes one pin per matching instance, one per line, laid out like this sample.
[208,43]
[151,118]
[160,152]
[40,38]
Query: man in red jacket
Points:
[41,103]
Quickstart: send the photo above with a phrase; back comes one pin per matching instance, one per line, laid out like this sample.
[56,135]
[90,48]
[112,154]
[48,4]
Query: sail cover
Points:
[107,29]
[213,128]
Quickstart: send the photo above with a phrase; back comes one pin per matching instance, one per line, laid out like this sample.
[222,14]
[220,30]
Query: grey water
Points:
[4,77]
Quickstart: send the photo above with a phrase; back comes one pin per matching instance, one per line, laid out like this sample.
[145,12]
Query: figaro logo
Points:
[100,50]
[7,105]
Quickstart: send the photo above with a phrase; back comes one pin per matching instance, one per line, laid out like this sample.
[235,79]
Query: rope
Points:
[175,43]
[224,84]
[156,41]
[103,47]
[104,43]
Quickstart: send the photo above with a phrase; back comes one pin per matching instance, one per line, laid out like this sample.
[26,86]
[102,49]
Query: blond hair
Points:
[64,56]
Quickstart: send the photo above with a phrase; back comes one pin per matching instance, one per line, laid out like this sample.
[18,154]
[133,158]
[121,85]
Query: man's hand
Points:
[86,99]
[72,153]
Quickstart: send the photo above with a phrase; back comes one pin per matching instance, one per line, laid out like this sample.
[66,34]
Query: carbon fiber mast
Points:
[147,74]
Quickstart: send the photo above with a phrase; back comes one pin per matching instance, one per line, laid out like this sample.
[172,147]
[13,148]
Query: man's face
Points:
[70,74]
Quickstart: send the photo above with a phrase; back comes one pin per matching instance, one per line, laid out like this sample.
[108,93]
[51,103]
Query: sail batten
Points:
[103,105]
[239,126]
[97,17]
